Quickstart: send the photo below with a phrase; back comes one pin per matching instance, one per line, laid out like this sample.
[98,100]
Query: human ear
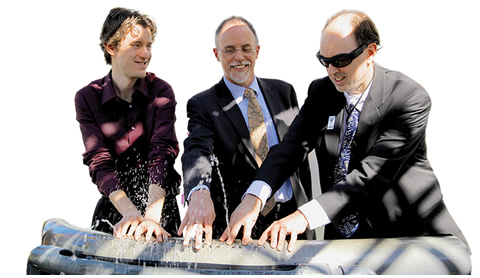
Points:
[372,51]
[110,49]
[215,51]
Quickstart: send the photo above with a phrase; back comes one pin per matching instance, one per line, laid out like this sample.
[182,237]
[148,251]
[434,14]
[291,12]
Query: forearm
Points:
[123,204]
[156,198]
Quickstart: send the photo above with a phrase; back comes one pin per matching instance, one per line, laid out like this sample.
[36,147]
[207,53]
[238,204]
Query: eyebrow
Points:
[243,46]
[140,42]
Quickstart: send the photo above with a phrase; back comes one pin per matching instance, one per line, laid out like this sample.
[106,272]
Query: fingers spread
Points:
[265,236]
[274,236]
[208,234]
[247,231]
[293,239]
[281,238]
[225,234]
[149,233]
[233,233]
[131,228]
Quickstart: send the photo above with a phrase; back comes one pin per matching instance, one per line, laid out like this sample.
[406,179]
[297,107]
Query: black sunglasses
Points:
[341,60]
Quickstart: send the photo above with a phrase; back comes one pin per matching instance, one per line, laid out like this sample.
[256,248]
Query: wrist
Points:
[195,189]
[302,216]
[153,213]
[199,193]
[253,200]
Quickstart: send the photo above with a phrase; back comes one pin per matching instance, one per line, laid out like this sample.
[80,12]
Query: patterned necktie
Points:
[258,135]
[256,123]
[348,221]
[345,152]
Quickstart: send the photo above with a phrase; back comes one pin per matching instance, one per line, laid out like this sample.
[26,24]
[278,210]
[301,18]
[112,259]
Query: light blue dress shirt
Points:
[285,192]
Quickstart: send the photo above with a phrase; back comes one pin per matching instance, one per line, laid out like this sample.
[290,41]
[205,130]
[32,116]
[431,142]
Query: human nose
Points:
[332,69]
[145,52]
[237,55]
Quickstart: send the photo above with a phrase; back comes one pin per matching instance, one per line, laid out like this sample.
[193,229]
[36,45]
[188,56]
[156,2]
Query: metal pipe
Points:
[71,250]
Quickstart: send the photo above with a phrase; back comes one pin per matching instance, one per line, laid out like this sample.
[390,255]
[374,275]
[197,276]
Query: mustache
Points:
[242,63]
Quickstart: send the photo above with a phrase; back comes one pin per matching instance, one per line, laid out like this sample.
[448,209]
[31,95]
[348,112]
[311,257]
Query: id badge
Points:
[331,123]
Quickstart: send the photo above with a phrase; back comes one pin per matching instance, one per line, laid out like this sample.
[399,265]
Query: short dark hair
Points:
[234,18]
[118,24]
[365,31]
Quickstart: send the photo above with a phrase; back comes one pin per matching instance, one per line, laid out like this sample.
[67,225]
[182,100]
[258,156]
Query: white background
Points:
[49,50]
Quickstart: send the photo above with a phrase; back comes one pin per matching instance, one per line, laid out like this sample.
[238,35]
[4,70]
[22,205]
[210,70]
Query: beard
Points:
[240,77]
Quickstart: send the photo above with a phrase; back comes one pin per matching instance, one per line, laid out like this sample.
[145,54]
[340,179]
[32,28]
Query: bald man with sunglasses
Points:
[388,188]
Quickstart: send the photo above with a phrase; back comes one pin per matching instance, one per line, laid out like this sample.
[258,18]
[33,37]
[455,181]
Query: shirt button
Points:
[130,106]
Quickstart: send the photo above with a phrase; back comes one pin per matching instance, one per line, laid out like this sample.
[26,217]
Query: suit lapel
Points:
[371,110]
[332,137]
[233,113]
[274,107]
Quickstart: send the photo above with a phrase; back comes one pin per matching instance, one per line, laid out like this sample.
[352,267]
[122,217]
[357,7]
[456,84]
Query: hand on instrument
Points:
[245,215]
[292,225]
[149,227]
[198,219]
[127,225]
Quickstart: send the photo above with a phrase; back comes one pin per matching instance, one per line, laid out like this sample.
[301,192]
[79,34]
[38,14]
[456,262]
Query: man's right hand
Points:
[198,218]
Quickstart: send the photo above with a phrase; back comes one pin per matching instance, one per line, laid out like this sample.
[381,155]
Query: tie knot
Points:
[249,93]
[352,108]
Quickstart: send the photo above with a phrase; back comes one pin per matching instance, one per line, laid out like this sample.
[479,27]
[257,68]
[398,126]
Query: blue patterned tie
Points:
[344,158]
[349,222]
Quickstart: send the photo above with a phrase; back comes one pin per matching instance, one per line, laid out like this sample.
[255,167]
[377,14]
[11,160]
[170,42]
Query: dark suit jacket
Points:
[218,148]
[390,182]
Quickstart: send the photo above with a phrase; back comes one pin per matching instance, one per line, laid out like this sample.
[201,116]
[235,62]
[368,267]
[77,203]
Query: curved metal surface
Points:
[54,260]
[71,250]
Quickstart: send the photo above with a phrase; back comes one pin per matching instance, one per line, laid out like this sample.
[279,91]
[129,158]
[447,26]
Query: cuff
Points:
[198,187]
[261,190]
[315,214]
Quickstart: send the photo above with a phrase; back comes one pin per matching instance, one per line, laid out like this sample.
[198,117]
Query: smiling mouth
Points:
[239,66]
[144,63]
[338,79]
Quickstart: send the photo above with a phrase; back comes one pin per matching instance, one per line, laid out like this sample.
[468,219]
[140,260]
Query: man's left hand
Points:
[245,215]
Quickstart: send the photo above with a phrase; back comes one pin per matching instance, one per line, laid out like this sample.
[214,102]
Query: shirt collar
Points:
[110,93]
[357,100]
[237,91]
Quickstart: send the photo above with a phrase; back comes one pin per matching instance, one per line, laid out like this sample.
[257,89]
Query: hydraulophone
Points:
[66,249]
